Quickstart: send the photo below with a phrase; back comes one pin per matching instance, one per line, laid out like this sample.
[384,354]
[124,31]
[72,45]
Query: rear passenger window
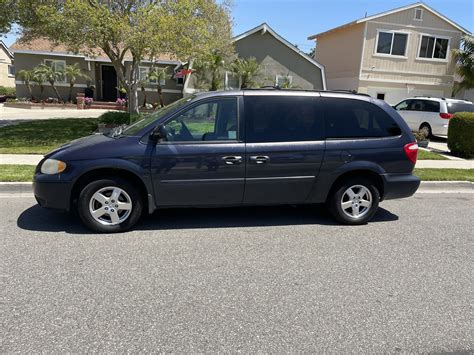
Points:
[431,106]
[346,118]
[282,119]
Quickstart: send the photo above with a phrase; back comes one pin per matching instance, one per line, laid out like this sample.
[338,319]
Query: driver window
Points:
[402,106]
[208,121]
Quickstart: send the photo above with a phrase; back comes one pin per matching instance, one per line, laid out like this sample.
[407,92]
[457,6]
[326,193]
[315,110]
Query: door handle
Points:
[232,160]
[259,159]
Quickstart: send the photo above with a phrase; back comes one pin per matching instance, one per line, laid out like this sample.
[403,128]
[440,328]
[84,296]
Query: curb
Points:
[26,188]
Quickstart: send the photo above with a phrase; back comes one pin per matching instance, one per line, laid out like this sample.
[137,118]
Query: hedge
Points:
[7,91]
[461,135]
[118,118]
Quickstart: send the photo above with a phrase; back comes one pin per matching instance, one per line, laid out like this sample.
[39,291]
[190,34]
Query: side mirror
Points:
[158,134]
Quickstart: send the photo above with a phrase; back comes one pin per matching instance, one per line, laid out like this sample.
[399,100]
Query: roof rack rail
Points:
[354,92]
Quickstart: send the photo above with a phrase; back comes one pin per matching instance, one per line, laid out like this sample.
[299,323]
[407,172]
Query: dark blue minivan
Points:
[237,148]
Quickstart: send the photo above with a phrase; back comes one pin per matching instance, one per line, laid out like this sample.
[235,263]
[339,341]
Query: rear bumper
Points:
[399,185]
[56,195]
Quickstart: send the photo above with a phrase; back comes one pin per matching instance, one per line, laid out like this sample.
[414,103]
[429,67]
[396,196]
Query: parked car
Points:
[431,114]
[250,147]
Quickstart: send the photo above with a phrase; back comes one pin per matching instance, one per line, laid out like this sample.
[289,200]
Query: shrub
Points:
[7,91]
[461,135]
[118,118]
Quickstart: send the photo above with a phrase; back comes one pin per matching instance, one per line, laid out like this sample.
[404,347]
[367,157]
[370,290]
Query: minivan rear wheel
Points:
[354,201]
[426,128]
[110,205]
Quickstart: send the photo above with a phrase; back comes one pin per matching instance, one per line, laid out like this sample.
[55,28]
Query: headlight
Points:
[53,166]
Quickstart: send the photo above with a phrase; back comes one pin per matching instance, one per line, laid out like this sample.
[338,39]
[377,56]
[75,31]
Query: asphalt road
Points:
[251,280]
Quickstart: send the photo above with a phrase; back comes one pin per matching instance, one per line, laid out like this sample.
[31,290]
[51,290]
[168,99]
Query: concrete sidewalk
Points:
[34,159]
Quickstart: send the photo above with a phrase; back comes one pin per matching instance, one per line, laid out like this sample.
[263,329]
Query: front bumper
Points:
[53,194]
[400,185]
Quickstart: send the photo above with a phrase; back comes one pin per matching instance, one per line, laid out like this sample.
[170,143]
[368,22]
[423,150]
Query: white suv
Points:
[430,113]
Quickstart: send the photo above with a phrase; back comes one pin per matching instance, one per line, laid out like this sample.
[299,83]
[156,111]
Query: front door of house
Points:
[109,83]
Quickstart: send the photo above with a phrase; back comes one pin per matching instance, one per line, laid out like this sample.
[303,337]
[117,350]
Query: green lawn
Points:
[16,173]
[426,155]
[39,137]
[445,174]
[25,173]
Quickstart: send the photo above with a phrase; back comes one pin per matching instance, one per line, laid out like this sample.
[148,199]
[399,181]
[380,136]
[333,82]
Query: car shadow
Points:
[39,219]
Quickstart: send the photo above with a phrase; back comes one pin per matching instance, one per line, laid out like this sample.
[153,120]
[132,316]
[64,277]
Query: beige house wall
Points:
[340,52]
[5,79]
[409,68]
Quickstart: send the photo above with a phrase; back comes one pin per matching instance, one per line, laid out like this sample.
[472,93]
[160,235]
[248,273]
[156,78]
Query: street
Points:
[274,279]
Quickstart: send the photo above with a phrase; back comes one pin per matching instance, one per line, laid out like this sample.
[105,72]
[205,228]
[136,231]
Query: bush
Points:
[461,135]
[118,118]
[7,91]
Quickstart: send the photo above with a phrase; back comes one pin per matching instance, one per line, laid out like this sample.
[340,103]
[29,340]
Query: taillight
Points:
[446,116]
[411,151]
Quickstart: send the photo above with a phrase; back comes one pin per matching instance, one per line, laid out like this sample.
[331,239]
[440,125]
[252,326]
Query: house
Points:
[392,55]
[280,61]
[7,70]
[102,76]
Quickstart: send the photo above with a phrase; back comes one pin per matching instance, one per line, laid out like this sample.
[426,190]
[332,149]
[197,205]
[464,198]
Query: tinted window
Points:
[431,106]
[346,118]
[416,105]
[207,121]
[282,119]
[460,107]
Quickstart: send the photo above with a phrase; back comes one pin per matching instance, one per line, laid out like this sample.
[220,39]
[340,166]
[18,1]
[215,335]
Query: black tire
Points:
[427,127]
[334,201]
[93,187]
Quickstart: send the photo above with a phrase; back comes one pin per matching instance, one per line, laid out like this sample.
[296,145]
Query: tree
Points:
[157,75]
[27,76]
[211,68]
[7,15]
[142,84]
[72,73]
[51,75]
[464,58]
[129,31]
[248,69]
[39,79]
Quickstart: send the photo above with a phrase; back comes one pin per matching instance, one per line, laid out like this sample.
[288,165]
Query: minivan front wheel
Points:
[110,205]
[354,201]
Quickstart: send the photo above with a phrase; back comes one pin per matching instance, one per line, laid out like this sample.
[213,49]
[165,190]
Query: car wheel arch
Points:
[366,173]
[105,172]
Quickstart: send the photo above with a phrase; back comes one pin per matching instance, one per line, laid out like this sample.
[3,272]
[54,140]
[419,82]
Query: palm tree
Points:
[211,70]
[51,75]
[157,75]
[27,76]
[142,84]
[72,73]
[39,79]
[248,69]
[465,64]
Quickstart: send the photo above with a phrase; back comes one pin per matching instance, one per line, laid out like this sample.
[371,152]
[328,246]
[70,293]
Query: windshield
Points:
[460,107]
[152,117]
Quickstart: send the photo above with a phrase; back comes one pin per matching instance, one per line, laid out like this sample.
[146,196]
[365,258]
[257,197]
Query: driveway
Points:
[10,115]
[271,280]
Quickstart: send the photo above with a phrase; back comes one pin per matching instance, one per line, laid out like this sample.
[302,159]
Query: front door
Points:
[109,83]
[284,147]
[201,162]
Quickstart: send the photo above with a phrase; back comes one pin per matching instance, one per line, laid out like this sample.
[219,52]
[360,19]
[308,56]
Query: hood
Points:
[91,147]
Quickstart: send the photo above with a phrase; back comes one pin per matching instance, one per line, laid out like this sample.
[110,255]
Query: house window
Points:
[11,70]
[283,81]
[144,72]
[58,65]
[418,14]
[180,81]
[392,43]
[381,96]
[433,47]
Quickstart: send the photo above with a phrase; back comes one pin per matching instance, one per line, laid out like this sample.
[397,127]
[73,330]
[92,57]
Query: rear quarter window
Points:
[348,118]
[460,107]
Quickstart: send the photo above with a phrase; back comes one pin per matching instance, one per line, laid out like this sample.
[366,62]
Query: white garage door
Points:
[395,95]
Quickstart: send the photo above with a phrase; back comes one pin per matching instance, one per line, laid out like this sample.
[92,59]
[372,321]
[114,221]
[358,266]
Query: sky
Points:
[295,20]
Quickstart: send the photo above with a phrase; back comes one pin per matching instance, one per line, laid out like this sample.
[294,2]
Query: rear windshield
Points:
[460,107]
